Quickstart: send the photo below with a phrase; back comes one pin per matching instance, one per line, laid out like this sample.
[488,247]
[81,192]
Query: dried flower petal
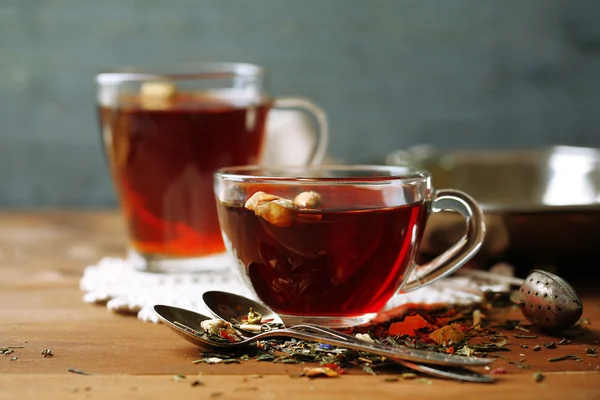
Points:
[254,317]
[409,326]
[448,334]
[364,337]
[498,371]
[213,326]
[319,371]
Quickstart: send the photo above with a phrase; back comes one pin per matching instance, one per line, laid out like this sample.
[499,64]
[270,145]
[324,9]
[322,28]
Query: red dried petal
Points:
[409,326]
[336,367]
[448,334]
[498,371]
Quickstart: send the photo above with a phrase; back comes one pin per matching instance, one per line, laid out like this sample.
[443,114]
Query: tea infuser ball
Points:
[548,301]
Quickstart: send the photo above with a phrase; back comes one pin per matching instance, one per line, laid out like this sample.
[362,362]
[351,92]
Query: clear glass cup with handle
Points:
[331,244]
[164,134]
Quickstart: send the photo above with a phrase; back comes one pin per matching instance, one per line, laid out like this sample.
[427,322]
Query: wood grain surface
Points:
[42,256]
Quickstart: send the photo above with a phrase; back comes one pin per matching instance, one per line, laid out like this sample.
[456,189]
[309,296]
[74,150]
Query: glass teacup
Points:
[332,244]
[165,132]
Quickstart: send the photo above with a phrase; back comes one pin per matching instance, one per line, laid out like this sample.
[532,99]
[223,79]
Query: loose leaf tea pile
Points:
[463,331]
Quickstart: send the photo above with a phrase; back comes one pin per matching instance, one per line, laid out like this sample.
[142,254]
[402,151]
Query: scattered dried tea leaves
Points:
[78,371]
[246,389]
[525,336]
[448,334]
[46,353]
[476,318]
[565,358]
[179,377]
[550,345]
[313,372]
[466,351]
[517,363]
[196,383]
[368,369]
[265,357]
[6,351]
[538,376]
[564,341]
[583,322]
[591,352]
[537,347]
[409,326]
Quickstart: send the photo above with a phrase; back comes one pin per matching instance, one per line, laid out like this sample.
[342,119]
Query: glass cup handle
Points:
[462,251]
[319,116]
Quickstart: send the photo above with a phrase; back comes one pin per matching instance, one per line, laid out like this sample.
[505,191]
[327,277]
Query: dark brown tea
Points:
[162,158]
[325,262]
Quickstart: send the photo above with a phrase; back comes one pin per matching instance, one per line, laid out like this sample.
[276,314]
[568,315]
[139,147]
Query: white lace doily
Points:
[118,284]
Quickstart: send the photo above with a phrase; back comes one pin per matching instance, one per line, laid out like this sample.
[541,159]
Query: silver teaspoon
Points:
[184,322]
[232,307]
[180,321]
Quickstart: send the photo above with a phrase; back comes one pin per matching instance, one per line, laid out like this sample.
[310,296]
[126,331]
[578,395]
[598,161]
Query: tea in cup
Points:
[164,135]
[332,244]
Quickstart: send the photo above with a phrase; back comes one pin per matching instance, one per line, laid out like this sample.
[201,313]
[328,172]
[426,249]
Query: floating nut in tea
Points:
[257,197]
[157,95]
[276,210]
[307,200]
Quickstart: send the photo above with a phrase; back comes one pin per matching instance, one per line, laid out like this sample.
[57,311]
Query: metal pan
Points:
[542,206]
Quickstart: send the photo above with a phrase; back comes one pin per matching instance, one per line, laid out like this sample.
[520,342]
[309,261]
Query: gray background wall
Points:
[390,74]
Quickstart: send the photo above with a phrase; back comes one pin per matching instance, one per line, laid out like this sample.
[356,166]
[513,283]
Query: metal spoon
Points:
[546,300]
[181,321]
[229,306]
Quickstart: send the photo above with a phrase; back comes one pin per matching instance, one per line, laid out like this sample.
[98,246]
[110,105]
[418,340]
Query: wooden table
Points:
[42,256]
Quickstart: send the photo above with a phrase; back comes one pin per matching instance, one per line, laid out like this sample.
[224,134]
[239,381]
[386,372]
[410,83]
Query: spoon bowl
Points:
[232,307]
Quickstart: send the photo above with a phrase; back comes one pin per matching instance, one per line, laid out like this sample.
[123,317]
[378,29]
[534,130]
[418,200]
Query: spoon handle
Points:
[321,329]
[456,373]
[446,372]
[401,353]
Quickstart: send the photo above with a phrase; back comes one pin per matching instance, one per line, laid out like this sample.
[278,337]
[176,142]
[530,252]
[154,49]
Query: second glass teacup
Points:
[332,244]
[166,132]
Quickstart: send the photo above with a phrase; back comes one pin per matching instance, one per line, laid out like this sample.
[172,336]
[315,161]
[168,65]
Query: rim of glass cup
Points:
[192,71]
[302,174]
